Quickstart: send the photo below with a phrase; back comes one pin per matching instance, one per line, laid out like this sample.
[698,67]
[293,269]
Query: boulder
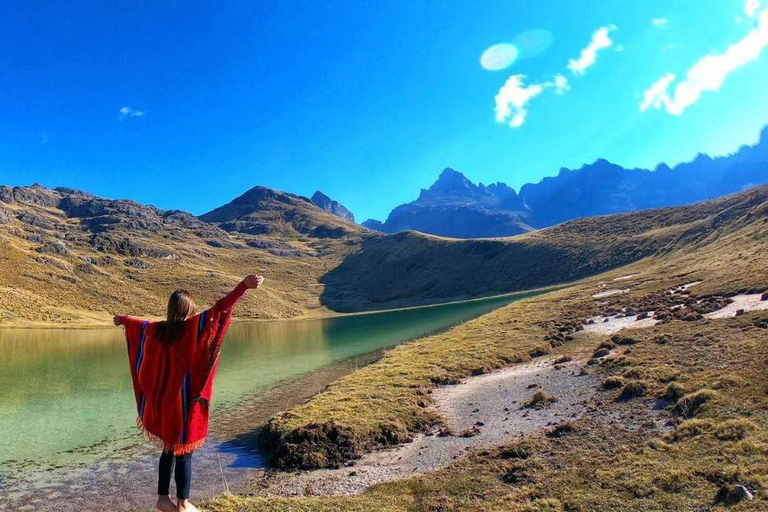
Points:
[6,216]
[6,194]
[733,494]
[53,248]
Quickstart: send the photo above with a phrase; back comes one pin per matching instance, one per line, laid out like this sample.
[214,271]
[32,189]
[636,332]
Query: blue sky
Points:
[188,104]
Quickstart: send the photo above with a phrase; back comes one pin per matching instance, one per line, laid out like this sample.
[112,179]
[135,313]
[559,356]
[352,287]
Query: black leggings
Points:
[183,474]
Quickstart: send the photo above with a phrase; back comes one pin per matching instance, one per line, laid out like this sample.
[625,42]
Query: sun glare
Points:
[499,56]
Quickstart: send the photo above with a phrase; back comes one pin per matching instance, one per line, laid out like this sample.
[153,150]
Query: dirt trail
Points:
[495,400]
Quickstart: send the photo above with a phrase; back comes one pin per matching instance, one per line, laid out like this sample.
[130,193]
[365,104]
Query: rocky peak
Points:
[374,224]
[326,203]
[450,183]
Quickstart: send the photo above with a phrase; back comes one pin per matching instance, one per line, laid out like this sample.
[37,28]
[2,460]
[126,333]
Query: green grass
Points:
[645,460]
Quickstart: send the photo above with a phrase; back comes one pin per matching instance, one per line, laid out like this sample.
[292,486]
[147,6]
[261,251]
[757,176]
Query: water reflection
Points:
[65,392]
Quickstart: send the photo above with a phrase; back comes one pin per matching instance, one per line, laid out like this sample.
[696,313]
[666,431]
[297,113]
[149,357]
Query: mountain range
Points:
[69,257]
[455,207]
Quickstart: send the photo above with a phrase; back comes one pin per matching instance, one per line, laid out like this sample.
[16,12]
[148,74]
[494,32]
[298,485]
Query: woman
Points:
[173,364]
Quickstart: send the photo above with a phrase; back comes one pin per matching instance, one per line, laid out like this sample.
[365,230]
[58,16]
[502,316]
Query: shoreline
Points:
[85,326]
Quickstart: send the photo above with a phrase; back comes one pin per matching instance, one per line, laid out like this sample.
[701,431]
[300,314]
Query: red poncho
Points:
[173,383]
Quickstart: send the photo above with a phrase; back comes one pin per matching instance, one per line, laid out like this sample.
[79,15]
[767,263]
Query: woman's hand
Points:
[253,281]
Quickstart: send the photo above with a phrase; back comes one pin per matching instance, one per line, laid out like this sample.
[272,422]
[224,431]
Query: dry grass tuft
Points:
[691,404]
[613,382]
[633,389]
[673,392]
[735,430]
[690,429]
[540,398]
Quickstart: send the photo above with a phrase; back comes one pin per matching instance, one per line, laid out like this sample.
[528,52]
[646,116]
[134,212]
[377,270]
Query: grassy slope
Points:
[412,268]
[261,210]
[600,466]
[84,285]
[605,466]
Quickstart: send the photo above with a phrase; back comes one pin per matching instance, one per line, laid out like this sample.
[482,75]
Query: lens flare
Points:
[499,56]
[533,43]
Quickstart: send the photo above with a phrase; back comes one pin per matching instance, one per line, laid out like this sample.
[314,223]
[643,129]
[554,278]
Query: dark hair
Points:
[180,307]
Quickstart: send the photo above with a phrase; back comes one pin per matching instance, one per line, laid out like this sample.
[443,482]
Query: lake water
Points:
[66,398]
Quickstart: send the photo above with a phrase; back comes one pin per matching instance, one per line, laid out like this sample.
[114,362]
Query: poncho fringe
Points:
[173,383]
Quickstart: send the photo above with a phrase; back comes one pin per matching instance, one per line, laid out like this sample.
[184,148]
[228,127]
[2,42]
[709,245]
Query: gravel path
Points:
[492,403]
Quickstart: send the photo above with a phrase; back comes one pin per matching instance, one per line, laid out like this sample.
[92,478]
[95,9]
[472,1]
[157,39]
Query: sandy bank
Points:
[492,403]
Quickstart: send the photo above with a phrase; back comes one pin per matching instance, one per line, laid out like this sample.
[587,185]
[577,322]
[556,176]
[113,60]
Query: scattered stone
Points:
[469,432]
[540,398]
[6,194]
[137,263]
[733,494]
[601,352]
[560,430]
[53,248]
[539,352]
[623,340]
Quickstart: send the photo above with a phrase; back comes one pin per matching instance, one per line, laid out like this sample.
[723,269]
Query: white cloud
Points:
[513,97]
[561,84]
[751,7]
[659,22]
[708,74]
[657,93]
[512,100]
[600,40]
[130,112]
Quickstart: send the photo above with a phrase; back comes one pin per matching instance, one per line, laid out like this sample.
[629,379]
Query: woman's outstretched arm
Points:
[228,301]
[120,319]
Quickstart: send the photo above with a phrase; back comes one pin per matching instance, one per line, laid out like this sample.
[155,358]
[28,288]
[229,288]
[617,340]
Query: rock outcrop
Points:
[326,203]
